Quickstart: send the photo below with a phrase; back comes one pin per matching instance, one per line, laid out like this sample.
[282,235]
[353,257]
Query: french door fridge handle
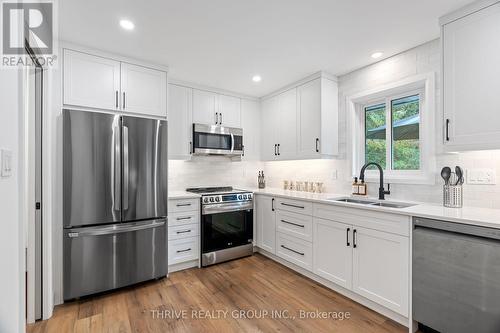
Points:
[115,229]
[125,167]
[116,170]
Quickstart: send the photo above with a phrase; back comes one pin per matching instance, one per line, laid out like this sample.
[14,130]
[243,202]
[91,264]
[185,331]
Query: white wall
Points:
[422,59]
[11,236]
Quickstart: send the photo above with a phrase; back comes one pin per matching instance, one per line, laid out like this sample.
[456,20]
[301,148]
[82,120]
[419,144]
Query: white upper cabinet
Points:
[301,121]
[318,118]
[229,111]
[144,90]
[471,79]
[179,121]
[91,81]
[250,121]
[204,107]
[215,109]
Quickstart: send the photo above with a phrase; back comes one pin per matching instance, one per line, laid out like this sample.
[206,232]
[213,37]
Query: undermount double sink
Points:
[374,203]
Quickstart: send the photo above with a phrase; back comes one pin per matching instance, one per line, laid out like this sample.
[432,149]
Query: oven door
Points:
[217,140]
[223,230]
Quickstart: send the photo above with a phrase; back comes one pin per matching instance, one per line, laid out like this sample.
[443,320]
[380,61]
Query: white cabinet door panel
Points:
[269,124]
[144,90]
[180,121]
[332,243]
[286,124]
[293,224]
[309,118]
[471,82]
[381,268]
[91,81]
[294,250]
[250,121]
[204,107]
[266,223]
[229,111]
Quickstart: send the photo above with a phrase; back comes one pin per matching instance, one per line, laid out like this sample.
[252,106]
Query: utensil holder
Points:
[453,196]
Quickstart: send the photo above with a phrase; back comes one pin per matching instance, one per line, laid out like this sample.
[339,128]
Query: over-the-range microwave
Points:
[217,140]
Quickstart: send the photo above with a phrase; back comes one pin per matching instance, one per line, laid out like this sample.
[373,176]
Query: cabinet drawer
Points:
[294,250]
[183,231]
[181,218]
[295,206]
[182,250]
[183,205]
[293,224]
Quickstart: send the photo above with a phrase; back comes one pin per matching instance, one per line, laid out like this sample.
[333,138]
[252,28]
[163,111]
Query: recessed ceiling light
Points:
[256,78]
[377,55]
[127,24]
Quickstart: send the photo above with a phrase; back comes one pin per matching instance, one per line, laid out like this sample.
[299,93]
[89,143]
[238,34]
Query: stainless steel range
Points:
[226,224]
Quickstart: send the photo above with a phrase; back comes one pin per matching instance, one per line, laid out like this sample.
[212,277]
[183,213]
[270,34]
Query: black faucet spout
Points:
[381,191]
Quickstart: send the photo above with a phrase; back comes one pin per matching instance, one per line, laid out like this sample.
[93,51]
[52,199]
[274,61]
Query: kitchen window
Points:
[393,126]
[392,133]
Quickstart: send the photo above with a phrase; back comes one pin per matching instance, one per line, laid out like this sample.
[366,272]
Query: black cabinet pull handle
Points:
[317,145]
[275,152]
[184,218]
[279,153]
[124,100]
[220,122]
[183,231]
[348,229]
[272,204]
[447,129]
[183,205]
[295,224]
[116,98]
[190,147]
[294,206]
[354,244]
[289,249]
[216,118]
[186,250]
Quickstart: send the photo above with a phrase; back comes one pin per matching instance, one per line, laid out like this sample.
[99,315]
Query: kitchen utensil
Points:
[460,175]
[445,174]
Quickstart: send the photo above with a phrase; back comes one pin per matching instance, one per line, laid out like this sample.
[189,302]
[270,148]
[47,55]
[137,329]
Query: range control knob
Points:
[239,197]
[249,196]
[244,196]
[205,200]
[217,199]
[211,199]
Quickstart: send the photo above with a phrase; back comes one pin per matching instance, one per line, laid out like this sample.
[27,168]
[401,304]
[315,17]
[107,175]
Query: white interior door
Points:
[332,258]
[90,81]
[286,124]
[381,268]
[229,111]
[144,90]
[204,107]
[180,123]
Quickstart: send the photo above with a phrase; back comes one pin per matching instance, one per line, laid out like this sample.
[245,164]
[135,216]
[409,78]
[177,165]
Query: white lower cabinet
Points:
[333,251]
[294,250]
[363,251]
[183,232]
[380,268]
[266,223]
[183,250]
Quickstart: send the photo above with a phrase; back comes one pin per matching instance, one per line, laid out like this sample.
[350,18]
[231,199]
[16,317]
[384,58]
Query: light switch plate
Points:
[6,163]
[481,177]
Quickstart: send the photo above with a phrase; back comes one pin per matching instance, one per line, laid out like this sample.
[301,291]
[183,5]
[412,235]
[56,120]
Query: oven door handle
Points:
[226,208]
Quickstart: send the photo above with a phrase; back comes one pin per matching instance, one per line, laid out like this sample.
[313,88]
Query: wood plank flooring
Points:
[221,298]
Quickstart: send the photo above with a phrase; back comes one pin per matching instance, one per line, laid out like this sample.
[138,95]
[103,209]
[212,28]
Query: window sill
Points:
[429,179]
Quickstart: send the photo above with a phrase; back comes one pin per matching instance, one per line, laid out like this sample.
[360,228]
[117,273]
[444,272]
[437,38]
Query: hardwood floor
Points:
[239,288]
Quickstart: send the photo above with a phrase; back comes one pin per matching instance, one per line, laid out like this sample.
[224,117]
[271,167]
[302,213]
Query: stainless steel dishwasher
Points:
[456,276]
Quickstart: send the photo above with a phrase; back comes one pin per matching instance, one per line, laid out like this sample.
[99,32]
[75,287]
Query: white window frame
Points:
[424,85]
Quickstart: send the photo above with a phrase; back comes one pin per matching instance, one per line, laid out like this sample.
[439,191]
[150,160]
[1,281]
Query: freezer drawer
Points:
[107,257]
[456,274]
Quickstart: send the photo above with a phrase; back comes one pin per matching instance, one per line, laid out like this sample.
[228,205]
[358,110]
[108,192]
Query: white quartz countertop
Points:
[468,215]
[182,195]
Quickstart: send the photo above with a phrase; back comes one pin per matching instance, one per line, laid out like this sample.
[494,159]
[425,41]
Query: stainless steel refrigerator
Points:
[114,201]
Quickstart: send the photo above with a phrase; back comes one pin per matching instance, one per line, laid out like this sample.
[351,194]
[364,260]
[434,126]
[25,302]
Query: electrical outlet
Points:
[481,177]
[6,163]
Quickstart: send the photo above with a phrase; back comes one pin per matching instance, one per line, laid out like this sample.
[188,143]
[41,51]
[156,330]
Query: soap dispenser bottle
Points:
[355,186]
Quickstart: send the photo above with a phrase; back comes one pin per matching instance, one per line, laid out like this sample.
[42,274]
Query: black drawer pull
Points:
[289,249]
[354,238]
[183,231]
[183,205]
[295,224]
[186,250]
[348,229]
[184,218]
[290,205]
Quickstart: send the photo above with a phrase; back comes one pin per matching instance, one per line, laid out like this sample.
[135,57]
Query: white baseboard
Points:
[183,265]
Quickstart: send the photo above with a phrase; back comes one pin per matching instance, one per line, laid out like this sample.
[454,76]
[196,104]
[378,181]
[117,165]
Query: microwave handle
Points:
[232,143]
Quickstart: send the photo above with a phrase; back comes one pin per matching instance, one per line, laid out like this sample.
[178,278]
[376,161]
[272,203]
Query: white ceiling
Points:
[223,43]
